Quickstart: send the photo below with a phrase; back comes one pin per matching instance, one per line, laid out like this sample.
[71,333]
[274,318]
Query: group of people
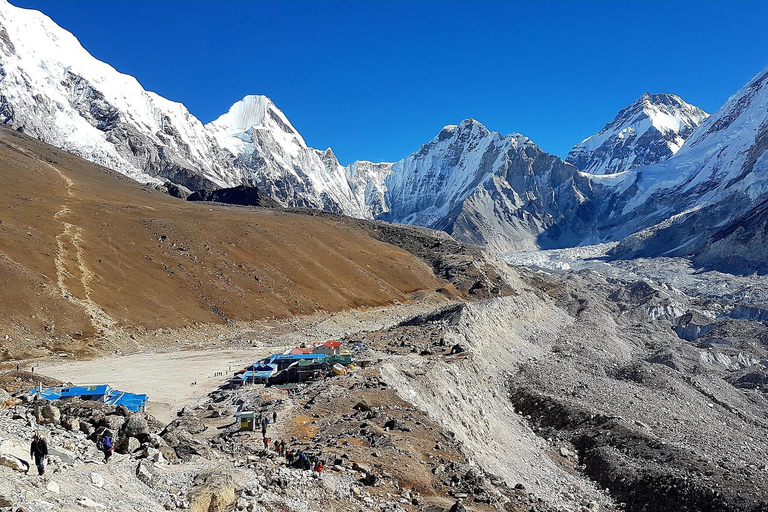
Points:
[299,459]
[38,449]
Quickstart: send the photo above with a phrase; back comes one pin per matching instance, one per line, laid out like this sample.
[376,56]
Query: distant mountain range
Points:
[663,176]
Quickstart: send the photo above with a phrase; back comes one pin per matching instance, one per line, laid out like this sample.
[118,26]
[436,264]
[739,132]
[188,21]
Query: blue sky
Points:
[375,80]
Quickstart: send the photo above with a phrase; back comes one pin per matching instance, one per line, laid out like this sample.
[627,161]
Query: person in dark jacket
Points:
[39,450]
[108,446]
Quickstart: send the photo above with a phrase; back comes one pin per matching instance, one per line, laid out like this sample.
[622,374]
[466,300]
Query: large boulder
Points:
[213,491]
[127,445]
[135,426]
[47,413]
[186,423]
[13,462]
[113,422]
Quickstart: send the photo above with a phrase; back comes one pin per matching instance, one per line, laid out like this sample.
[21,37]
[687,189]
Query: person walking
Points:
[106,445]
[274,416]
[39,450]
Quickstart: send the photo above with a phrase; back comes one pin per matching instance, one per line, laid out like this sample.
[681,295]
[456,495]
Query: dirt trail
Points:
[68,240]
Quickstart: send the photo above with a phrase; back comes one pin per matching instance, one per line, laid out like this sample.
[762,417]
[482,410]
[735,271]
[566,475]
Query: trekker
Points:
[319,466]
[39,450]
[106,445]
[266,443]
[274,417]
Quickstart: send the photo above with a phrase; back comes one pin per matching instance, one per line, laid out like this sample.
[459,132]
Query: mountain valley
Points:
[514,330]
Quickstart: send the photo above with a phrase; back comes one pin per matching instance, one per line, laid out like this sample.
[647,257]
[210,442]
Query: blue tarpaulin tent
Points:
[100,393]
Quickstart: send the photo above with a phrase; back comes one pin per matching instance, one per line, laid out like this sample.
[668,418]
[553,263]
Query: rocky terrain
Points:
[541,390]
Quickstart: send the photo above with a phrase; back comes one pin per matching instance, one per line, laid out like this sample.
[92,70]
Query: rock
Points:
[363,468]
[53,487]
[97,480]
[146,473]
[89,503]
[122,411]
[213,491]
[86,428]
[5,502]
[392,424]
[71,424]
[457,349]
[369,479]
[112,422]
[47,414]
[12,462]
[362,406]
[127,445]
[457,507]
[187,423]
[564,452]
[168,453]
[135,426]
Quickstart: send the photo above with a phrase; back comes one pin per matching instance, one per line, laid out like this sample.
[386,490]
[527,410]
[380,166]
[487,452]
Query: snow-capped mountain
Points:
[53,89]
[663,179]
[719,175]
[489,189]
[265,143]
[648,131]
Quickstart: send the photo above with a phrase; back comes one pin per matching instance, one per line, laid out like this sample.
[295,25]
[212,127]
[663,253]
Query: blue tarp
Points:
[102,393]
[285,357]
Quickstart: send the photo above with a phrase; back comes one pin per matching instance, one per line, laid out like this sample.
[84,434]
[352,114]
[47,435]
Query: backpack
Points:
[100,444]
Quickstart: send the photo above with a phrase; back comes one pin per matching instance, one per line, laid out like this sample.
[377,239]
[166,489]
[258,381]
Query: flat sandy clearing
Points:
[166,377]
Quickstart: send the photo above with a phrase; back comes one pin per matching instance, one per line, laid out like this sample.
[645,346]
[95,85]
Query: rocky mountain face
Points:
[648,131]
[489,189]
[681,206]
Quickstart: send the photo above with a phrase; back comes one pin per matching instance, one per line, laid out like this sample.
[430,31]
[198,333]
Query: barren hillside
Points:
[86,254]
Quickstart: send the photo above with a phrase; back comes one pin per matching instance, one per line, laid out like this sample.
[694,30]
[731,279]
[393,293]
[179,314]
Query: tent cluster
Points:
[297,365]
[100,393]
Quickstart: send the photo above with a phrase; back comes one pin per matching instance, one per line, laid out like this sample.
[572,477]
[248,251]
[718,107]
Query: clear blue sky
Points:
[375,80]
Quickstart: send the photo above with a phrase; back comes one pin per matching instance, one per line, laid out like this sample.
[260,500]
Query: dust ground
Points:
[166,377]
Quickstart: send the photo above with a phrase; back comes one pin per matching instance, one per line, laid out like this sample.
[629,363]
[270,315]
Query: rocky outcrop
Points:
[213,491]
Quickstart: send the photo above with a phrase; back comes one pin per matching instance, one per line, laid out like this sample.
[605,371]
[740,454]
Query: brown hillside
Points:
[85,251]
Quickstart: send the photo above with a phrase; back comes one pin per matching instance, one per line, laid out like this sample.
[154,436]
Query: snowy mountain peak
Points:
[252,113]
[650,130]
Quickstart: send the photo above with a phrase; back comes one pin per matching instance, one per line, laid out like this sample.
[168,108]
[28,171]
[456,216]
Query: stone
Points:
[12,462]
[86,428]
[86,502]
[146,473]
[127,445]
[168,453]
[97,480]
[53,487]
[112,422]
[71,424]
[135,426]
[5,502]
[47,414]
[187,423]
[369,479]
[213,491]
